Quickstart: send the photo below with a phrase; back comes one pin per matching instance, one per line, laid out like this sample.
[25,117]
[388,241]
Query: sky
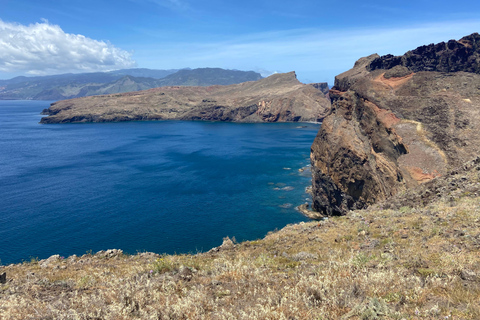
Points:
[315,38]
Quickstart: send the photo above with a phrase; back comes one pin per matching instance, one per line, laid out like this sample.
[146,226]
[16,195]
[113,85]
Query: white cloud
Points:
[44,48]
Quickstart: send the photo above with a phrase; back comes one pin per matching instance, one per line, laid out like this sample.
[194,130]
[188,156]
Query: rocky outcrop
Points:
[322,86]
[278,98]
[451,56]
[395,123]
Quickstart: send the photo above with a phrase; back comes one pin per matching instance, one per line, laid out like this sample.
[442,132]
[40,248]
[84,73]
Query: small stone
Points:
[304,256]
[110,253]
[468,275]
[3,277]
[47,262]
[185,273]
[227,244]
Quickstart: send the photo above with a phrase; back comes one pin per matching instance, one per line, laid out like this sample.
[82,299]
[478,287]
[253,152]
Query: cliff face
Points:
[280,97]
[397,122]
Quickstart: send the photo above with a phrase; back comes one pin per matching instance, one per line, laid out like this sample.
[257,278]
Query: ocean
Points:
[160,186]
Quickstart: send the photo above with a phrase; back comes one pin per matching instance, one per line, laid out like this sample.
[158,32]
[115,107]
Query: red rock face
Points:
[390,130]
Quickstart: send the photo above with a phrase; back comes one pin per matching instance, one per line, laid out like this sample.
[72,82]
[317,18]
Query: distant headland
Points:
[278,98]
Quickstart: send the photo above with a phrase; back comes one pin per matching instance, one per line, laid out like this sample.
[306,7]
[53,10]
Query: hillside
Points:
[207,77]
[280,97]
[397,122]
[411,257]
[69,86]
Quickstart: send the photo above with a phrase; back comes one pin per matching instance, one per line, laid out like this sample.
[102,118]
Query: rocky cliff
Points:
[280,97]
[397,122]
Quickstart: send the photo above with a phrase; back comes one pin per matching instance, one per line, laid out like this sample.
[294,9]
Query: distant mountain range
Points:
[67,86]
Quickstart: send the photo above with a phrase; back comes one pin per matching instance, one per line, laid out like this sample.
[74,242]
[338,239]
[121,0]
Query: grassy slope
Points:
[418,261]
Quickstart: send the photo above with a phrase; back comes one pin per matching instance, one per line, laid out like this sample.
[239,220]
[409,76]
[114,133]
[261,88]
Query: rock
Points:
[304,256]
[72,259]
[216,282]
[304,209]
[3,278]
[110,253]
[397,72]
[226,245]
[185,273]
[46,263]
[468,275]
[149,255]
[391,130]
[451,56]
[322,86]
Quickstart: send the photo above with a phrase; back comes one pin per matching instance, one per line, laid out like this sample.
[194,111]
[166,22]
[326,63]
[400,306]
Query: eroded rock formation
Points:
[280,97]
[397,122]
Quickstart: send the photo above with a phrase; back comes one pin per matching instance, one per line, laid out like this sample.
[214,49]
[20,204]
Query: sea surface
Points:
[163,186]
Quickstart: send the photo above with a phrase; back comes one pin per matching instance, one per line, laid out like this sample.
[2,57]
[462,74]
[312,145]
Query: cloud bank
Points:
[44,48]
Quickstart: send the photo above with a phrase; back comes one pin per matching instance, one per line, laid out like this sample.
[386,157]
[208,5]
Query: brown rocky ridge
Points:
[278,98]
[397,122]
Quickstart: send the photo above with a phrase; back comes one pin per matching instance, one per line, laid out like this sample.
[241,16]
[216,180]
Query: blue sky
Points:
[317,39]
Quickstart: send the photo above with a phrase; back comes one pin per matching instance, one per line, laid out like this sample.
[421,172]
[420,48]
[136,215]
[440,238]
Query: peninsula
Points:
[278,98]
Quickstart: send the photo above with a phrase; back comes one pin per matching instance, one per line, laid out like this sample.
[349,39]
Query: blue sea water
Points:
[163,186]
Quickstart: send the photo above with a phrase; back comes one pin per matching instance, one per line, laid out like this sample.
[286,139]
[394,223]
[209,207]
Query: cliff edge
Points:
[397,122]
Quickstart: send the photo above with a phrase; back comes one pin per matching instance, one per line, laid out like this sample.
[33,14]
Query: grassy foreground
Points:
[408,262]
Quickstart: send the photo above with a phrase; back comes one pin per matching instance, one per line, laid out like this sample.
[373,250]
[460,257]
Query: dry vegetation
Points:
[412,262]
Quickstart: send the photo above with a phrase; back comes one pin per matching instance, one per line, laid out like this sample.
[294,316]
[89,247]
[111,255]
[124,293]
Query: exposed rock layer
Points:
[451,56]
[280,97]
[397,122]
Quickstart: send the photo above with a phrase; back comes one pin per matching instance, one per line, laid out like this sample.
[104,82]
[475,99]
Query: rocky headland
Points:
[278,98]
[397,122]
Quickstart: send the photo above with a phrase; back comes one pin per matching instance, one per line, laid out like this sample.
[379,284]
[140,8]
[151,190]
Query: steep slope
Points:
[397,122]
[280,97]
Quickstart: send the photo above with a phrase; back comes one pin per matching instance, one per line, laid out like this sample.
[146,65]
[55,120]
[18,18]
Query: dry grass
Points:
[374,264]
